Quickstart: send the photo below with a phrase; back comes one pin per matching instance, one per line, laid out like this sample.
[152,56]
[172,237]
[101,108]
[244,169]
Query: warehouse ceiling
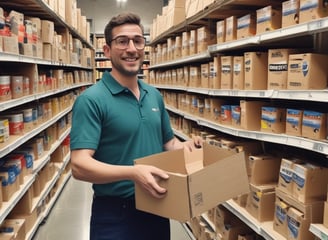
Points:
[100,11]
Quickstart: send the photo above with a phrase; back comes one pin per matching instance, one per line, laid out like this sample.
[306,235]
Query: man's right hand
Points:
[148,177]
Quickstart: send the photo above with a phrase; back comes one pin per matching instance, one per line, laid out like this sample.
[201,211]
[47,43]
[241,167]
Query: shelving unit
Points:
[79,77]
[305,33]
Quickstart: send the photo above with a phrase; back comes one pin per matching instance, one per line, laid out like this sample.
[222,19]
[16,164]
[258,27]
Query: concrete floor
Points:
[69,218]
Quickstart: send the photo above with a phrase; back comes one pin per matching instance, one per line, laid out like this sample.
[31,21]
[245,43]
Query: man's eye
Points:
[122,41]
[136,40]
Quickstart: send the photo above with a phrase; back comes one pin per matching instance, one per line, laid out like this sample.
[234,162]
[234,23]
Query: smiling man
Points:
[115,121]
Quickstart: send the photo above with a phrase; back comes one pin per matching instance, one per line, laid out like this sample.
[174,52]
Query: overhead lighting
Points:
[121,3]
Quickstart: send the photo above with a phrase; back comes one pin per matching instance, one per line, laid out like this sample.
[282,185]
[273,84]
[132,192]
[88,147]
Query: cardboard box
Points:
[256,70]
[251,112]
[314,125]
[189,173]
[312,10]
[290,13]
[205,75]
[307,71]
[280,217]
[285,181]
[278,68]
[194,76]
[298,225]
[10,44]
[309,182]
[294,119]
[47,31]
[325,215]
[246,26]
[226,72]
[185,44]
[264,169]
[231,28]
[215,73]
[267,19]
[193,42]
[260,202]
[273,120]
[300,216]
[205,37]
[192,7]
[17,226]
[221,31]
[238,75]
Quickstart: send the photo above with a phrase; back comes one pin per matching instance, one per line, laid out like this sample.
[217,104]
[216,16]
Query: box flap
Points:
[170,161]
[193,160]
[212,153]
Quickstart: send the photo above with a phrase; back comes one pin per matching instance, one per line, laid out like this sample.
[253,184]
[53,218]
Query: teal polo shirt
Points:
[109,119]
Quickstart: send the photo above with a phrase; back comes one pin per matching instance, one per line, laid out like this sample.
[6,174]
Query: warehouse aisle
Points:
[69,218]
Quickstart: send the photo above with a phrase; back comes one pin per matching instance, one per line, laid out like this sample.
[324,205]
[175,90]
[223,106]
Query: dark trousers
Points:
[117,219]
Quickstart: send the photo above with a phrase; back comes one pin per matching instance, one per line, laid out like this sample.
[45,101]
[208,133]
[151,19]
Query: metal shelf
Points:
[319,230]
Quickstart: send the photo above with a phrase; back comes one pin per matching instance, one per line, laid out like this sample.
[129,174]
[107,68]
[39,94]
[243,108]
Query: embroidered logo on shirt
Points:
[155,109]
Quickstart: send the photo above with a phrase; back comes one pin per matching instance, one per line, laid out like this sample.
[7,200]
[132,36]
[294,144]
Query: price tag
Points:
[262,93]
[233,93]
[316,25]
[259,136]
[319,147]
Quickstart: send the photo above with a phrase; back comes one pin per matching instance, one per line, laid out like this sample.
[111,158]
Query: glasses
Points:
[122,42]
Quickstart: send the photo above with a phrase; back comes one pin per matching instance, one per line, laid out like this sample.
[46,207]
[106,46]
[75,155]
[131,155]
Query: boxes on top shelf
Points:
[268,19]
[312,10]
[290,13]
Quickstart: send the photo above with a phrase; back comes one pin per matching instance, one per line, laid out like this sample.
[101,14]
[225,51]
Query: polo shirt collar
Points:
[115,87]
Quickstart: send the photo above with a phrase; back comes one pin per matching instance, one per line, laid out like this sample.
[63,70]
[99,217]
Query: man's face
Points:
[126,60]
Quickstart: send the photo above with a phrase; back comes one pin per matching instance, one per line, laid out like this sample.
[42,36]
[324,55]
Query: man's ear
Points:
[106,50]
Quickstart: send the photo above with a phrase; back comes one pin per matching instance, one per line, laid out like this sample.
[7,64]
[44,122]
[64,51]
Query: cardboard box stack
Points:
[264,172]
[301,192]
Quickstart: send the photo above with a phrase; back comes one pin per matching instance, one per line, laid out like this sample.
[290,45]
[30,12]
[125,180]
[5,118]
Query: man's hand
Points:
[193,143]
[148,177]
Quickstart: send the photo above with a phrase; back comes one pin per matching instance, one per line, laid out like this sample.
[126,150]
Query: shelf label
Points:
[261,93]
[316,25]
[319,147]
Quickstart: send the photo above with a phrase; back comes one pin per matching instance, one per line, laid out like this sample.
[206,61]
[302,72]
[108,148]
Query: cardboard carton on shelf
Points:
[300,216]
[290,13]
[261,201]
[198,181]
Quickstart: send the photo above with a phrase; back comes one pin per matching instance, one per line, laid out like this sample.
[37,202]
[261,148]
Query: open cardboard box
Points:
[198,181]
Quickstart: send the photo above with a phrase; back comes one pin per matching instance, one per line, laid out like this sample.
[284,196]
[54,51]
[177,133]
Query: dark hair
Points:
[119,20]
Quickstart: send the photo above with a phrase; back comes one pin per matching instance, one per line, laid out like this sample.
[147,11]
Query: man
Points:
[114,122]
